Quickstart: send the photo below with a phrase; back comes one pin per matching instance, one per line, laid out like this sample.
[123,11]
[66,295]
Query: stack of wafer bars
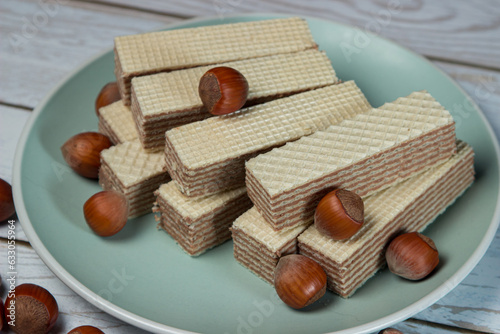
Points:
[364,154]
[222,144]
[156,109]
[292,93]
[198,224]
[402,158]
[164,51]
[209,156]
[129,169]
[116,122]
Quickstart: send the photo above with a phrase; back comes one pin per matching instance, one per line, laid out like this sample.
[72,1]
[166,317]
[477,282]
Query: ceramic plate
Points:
[141,276]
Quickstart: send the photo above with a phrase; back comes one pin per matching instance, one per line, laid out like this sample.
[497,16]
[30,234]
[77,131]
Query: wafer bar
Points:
[258,247]
[209,156]
[162,51]
[199,224]
[116,122]
[364,154]
[166,100]
[129,169]
[406,207]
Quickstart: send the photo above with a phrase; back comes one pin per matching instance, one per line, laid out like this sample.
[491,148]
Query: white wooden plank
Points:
[74,310]
[12,121]
[462,30]
[41,45]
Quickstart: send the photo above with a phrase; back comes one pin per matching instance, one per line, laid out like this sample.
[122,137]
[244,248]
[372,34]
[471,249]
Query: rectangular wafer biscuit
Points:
[408,206]
[199,224]
[161,51]
[258,247]
[364,154]
[209,156]
[116,122]
[166,100]
[129,169]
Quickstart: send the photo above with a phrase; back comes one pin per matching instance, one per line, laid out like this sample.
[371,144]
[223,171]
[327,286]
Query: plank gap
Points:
[18,242]
[442,326]
[14,105]
[464,63]
[139,9]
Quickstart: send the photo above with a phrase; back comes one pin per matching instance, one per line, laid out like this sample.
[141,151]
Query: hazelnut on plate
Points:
[299,281]
[412,256]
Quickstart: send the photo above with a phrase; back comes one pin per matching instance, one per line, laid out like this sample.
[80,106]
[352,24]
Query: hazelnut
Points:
[223,90]
[86,330]
[36,309]
[412,256]
[106,212]
[108,94]
[82,153]
[6,201]
[390,331]
[340,214]
[3,320]
[299,281]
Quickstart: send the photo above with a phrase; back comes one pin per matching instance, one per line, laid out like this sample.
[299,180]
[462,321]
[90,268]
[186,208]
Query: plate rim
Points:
[149,325]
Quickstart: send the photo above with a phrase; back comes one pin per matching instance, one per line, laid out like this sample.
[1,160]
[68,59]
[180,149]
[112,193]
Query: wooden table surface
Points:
[42,41]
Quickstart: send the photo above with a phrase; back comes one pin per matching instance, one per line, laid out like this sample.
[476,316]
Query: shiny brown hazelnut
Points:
[82,153]
[7,208]
[36,310]
[390,331]
[106,212]
[86,330]
[299,281]
[412,256]
[339,214]
[223,90]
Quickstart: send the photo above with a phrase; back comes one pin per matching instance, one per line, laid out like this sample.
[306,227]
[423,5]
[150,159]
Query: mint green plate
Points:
[141,276]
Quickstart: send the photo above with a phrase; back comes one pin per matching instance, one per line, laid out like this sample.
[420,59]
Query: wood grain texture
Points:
[458,30]
[40,46]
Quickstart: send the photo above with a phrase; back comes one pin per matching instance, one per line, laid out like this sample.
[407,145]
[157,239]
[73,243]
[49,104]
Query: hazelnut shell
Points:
[412,256]
[82,153]
[36,309]
[223,90]
[299,281]
[339,214]
[106,212]
[86,330]
[7,208]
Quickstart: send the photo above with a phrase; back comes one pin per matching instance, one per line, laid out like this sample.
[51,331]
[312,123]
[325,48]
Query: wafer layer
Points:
[166,100]
[116,122]
[258,247]
[198,224]
[161,51]
[129,169]
[209,156]
[364,154]
[408,206]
